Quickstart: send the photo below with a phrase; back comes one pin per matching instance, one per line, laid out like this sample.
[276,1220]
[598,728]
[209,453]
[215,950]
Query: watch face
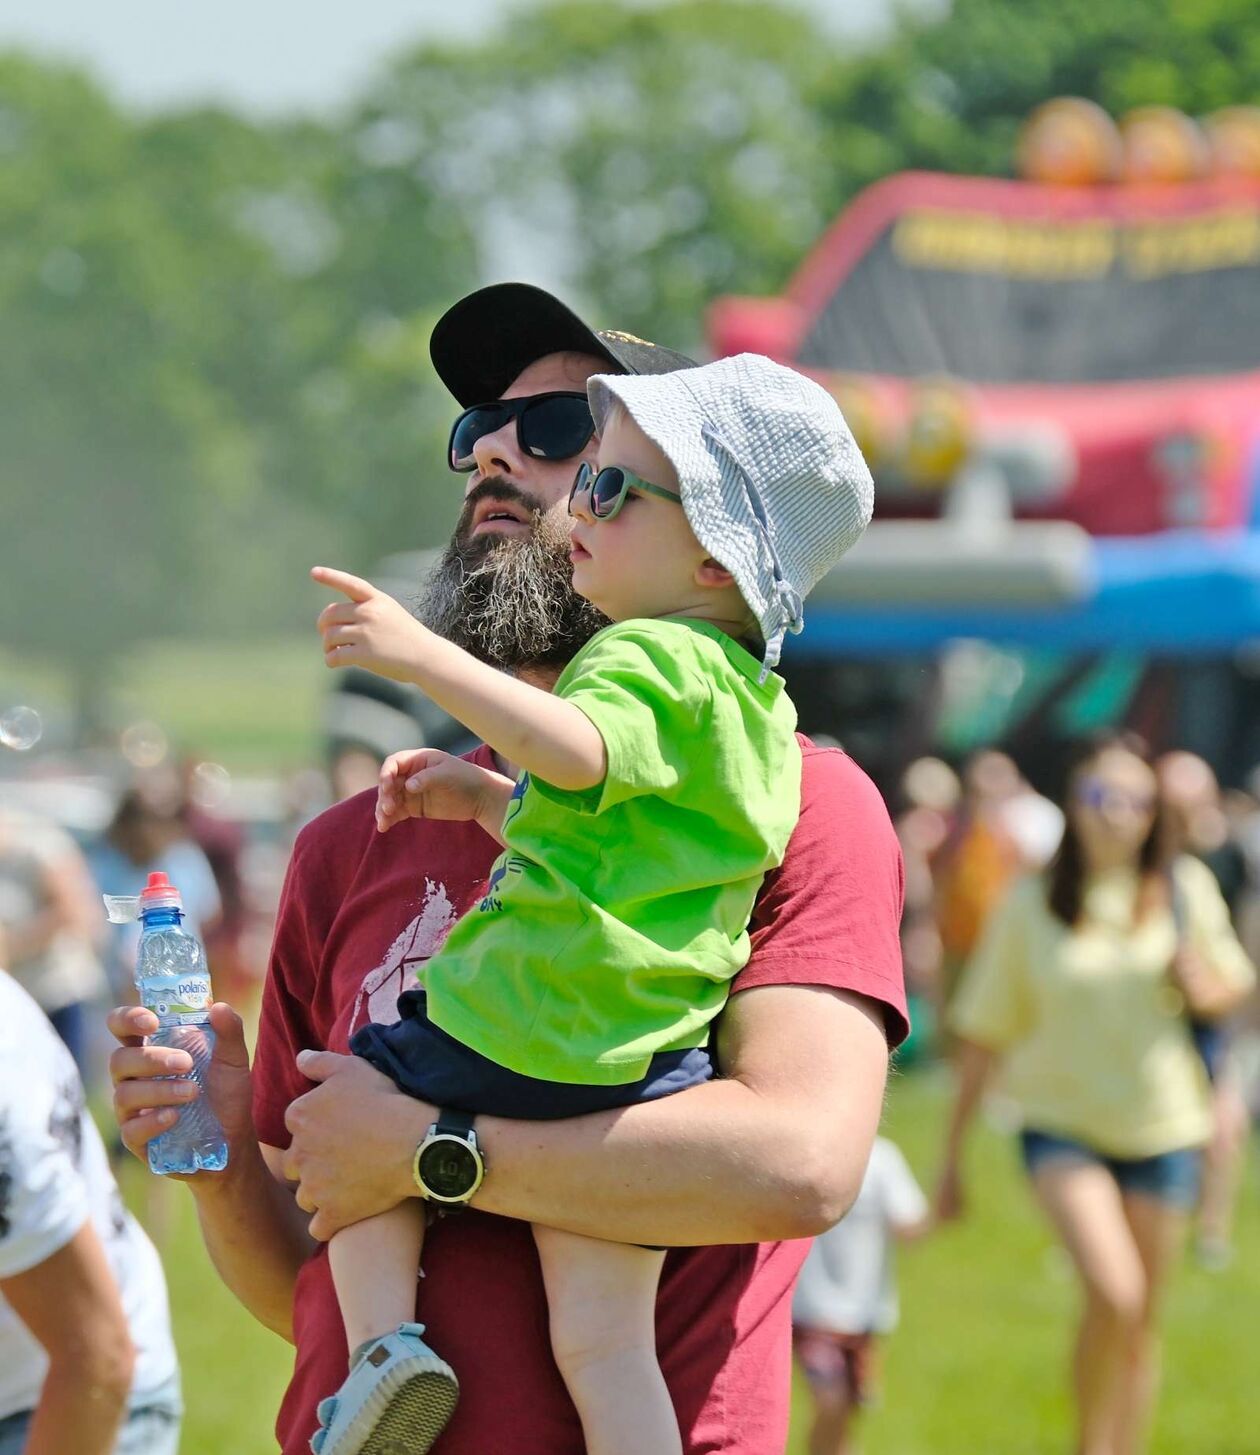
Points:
[448,1168]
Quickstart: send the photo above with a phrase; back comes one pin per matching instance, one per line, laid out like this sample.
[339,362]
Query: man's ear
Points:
[710,574]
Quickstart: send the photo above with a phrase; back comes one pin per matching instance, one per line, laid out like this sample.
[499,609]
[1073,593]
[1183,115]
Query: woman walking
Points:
[1084,984]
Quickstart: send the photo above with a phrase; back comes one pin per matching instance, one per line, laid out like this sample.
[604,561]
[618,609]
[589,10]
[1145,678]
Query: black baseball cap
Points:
[481,343]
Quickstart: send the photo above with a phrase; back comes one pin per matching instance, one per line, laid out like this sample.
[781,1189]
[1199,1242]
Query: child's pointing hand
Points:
[369,629]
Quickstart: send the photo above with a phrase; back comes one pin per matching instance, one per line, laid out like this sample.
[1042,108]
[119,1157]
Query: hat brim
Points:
[482,343]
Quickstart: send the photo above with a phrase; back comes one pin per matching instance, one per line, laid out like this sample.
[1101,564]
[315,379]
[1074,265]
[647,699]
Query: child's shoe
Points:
[396,1399]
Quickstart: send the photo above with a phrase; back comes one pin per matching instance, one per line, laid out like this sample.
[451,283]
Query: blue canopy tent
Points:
[1177,593]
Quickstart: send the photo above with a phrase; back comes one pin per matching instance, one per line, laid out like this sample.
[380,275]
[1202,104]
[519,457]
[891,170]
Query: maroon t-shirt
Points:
[360,912]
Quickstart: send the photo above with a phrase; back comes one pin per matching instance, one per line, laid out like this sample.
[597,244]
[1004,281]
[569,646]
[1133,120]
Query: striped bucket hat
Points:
[772,481]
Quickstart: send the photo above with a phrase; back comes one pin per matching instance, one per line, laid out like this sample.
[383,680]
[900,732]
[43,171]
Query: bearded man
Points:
[727,1175]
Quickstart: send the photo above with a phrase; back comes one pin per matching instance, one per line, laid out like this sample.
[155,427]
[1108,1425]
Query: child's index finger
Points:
[355,587]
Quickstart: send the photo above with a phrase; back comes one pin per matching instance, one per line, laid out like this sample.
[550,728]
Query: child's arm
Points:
[548,737]
[427,783]
[911,1232]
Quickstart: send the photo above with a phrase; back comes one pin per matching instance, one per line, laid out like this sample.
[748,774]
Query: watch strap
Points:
[454,1123]
[459,1126]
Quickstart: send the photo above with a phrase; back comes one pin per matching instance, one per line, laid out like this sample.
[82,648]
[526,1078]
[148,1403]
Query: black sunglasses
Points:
[548,427]
[606,489]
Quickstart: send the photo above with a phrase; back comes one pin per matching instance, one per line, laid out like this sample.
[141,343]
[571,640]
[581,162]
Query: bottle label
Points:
[178,1000]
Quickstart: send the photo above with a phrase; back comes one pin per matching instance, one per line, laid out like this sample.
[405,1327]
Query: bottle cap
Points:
[158,893]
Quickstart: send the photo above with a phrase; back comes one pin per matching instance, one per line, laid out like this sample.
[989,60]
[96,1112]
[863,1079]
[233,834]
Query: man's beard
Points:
[509,600]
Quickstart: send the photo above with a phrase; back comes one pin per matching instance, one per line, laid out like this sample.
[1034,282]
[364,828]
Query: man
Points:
[774,1151]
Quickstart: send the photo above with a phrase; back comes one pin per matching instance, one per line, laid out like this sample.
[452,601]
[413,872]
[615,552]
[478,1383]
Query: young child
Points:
[846,1296]
[660,781]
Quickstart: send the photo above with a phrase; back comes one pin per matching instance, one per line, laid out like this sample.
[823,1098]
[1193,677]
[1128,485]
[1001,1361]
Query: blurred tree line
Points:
[213,330]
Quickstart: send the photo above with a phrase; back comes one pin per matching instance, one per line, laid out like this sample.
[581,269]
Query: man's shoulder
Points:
[353,818]
[351,823]
[833,784]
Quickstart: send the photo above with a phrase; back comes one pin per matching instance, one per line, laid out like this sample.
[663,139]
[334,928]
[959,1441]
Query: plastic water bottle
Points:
[174,984]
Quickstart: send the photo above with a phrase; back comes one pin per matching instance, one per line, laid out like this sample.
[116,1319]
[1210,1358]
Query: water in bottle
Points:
[174,984]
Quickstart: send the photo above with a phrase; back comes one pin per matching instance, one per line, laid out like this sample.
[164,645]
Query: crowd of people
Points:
[637,1166]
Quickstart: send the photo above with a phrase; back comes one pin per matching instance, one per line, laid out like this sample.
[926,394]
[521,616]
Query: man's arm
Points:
[775,1149]
[71,1306]
[253,1230]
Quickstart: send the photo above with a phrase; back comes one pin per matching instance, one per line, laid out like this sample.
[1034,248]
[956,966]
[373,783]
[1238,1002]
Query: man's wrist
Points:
[448,1166]
[421,1117]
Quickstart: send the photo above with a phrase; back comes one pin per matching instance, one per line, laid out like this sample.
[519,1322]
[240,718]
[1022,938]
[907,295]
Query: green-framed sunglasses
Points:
[606,489]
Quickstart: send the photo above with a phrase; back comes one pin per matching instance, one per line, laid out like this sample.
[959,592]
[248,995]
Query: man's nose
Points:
[499,453]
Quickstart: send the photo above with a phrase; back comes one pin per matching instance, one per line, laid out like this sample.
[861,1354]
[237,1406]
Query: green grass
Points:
[253,707]
[979,1364]
[976,1368]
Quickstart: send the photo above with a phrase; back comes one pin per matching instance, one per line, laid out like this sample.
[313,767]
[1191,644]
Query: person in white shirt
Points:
[87,1364]
[847,1294]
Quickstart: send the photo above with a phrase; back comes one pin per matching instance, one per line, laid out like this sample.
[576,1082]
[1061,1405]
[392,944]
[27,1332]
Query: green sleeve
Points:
[650,702]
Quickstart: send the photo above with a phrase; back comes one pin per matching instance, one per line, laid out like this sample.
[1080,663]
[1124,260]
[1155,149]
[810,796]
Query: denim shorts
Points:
[151,1427]
[1169,1177]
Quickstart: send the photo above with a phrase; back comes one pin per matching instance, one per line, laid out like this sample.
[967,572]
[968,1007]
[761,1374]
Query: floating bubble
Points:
[210,785]
[21,728]
[143,744]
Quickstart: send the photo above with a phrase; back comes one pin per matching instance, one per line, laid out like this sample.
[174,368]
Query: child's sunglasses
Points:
[548,427]
[606,490]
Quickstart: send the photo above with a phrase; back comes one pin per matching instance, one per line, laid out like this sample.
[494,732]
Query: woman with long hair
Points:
[1083,985]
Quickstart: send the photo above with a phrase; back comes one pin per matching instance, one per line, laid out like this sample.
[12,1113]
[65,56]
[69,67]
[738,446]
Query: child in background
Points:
[661,780]
[846,1296]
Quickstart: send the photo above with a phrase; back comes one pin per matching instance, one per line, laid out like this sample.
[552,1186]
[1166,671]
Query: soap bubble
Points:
[143,744]
[20,728]
[210,785]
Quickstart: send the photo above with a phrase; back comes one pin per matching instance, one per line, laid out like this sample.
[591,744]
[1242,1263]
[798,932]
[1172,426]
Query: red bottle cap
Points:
[159,892]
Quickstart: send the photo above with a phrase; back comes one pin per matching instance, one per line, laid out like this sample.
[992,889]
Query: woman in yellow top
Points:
[1082,984]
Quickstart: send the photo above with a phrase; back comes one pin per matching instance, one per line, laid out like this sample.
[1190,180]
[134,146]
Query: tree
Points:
[175,295]
[655,158]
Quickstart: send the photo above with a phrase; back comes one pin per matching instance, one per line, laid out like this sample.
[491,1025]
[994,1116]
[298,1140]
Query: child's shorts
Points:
[836,1363]
[422,1060]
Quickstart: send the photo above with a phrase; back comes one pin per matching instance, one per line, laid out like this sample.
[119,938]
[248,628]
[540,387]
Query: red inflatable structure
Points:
[1057,384]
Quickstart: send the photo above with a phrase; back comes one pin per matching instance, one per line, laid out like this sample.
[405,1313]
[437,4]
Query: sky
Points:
[272,56]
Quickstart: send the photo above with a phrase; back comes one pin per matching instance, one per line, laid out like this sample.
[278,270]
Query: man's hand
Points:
[369,629]
[147,1100]
[427,783]
[353,1140]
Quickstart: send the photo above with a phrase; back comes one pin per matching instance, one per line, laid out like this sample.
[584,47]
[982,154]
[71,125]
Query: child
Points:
[660,781]
[846,1294]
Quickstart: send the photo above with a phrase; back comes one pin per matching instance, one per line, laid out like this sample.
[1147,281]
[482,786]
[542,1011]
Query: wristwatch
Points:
[448,1165]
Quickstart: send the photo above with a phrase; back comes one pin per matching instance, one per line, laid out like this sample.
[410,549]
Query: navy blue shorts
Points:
[422,1060]
[1170,1177]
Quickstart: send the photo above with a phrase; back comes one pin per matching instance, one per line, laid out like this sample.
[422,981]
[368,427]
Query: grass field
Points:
[254,707]
[975,1369]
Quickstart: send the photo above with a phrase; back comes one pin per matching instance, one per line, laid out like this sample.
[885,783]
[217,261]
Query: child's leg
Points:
[398,1394]
[602,1302]
[375,1265]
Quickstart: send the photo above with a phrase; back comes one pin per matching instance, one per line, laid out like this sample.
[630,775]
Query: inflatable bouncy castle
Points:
[1056,379]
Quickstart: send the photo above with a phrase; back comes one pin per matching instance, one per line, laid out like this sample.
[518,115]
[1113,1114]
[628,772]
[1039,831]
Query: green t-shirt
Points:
[617,916]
